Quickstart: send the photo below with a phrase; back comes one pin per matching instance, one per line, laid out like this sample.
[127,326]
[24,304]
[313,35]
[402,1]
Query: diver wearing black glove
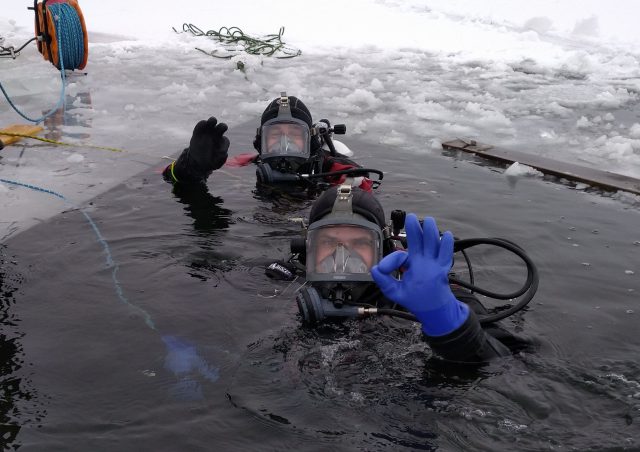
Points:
[290,150]
[206,153]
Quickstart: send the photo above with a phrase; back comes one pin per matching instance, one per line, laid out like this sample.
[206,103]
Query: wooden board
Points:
[597,178]
[22,129]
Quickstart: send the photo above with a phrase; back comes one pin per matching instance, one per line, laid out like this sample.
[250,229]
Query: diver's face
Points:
[293,133]
[354,239]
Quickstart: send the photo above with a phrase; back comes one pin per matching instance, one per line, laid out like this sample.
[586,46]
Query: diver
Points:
[356,264]
[292,150]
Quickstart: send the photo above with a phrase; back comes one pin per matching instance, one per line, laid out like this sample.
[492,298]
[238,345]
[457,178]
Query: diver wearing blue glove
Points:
[424,291]
[424,288]
[353,268]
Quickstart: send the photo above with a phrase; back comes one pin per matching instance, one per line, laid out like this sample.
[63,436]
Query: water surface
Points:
[93,329]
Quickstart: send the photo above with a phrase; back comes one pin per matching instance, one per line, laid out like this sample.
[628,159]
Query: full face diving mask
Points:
[341,248]
[285,146]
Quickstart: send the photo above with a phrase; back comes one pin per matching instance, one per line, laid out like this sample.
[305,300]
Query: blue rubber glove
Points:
[424,288]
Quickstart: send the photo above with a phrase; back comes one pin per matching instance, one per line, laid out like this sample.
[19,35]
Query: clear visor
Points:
[340,249]
[285,139]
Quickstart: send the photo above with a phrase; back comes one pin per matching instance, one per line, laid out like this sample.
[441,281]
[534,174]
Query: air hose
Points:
[527,291]
[349,172]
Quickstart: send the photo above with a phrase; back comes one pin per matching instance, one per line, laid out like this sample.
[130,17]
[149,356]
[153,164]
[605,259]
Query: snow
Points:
[516,169]
[555,78]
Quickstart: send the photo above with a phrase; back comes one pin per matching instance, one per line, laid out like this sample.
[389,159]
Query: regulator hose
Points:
[527,291]
[349,171]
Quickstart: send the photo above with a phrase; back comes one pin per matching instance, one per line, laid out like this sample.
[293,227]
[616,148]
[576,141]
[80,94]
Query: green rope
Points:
[269,45]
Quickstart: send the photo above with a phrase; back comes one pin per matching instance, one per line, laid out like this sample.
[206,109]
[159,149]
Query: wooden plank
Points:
[19,129]
[591,176]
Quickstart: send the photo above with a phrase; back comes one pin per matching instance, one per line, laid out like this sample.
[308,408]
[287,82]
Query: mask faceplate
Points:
[289,138]
[342,251]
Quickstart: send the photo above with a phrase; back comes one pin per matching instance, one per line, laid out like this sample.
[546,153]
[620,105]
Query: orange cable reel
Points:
[45,27]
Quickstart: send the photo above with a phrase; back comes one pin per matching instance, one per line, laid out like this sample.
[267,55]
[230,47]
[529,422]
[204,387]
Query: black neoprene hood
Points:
[363,203]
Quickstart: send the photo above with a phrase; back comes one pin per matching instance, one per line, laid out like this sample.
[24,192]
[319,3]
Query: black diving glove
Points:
[206,153]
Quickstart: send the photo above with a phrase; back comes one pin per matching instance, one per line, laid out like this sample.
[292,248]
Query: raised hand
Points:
[206,153]
[424,286]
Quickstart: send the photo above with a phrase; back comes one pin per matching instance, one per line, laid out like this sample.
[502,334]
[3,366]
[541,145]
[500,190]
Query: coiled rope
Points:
[70,39]
[269,45]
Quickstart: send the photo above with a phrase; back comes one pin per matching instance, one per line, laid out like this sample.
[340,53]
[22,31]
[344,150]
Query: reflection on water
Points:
[71,120]
[207,210]
[19,403]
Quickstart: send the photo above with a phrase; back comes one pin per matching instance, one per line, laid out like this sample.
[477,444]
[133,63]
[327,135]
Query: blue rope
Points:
[72,40]
[110,262]
[70,36]
[182,356]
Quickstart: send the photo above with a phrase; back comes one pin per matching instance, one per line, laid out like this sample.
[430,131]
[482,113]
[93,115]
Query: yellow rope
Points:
[60,143]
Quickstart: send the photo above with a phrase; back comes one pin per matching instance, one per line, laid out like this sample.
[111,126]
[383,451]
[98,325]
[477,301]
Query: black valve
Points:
[340,129]
[398,218]
[298,245]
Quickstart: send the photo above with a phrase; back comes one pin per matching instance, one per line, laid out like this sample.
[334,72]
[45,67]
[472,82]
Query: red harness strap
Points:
[366,184]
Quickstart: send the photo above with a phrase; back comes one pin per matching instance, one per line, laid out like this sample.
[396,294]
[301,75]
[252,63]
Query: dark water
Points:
[87,363]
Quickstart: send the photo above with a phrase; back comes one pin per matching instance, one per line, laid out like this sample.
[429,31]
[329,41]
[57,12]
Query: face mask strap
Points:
[284,110]
[344,199]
